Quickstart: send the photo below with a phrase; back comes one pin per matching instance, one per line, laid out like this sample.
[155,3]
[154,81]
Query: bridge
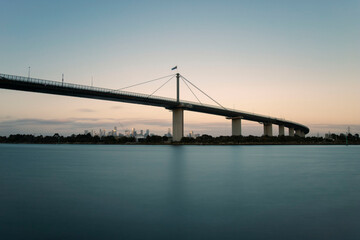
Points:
[177,106]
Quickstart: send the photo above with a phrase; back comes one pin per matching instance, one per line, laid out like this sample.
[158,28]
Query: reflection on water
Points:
[179,192]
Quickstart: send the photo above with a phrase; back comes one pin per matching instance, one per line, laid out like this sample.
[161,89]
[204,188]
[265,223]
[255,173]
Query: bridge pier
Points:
[268,129]
[281,130]
[178,124]
[299,133]
[235,126]
[291,132]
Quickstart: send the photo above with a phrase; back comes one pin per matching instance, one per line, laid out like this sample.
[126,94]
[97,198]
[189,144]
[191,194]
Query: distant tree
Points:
[154,139]
[109,140]
[342,136]
[356,136]
[334,136]
[187,140]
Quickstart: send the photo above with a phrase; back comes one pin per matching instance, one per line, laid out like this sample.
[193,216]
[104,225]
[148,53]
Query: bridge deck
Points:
[68,89]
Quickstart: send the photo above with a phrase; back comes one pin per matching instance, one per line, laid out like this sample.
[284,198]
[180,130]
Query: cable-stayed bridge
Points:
[177,106]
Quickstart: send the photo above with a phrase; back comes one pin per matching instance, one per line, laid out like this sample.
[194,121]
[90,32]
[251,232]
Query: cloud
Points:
[85,110]
[116,107]
[75,125]
[333,128]
[6,117]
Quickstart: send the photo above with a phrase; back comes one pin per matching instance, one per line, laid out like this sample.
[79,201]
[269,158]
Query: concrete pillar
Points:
[236,126]
[291,132]
[281,130]
[178,124]
[268,129]
[298,132]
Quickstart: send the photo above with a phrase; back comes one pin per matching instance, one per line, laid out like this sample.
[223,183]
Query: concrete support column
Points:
[281,130]
[178,124]
[268,129]
[298,132]
[291,132]
[235,126]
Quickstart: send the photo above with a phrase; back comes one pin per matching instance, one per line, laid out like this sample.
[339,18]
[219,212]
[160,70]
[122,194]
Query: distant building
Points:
[133,132]
[147,133]
[127,133]
[191,134]
[328,135]
[102,132]
[168,134]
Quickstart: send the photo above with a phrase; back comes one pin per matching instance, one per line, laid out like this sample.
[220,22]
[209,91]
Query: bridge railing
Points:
[78,86]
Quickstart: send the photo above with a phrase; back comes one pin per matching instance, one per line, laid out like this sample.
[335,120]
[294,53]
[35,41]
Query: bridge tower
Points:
[178,87]
[178,114]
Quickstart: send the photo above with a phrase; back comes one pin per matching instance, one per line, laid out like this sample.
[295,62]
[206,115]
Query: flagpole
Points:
[177,84]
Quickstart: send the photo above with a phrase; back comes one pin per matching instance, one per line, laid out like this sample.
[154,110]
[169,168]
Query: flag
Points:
[174,68]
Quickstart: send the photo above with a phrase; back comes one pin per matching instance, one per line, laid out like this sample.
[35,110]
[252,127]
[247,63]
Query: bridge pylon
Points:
[178,87]
[178,114]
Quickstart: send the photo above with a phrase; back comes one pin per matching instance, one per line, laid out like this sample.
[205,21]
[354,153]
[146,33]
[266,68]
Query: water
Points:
[179,192]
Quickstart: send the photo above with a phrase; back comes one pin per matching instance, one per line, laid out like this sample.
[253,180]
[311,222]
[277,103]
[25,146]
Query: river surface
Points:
[179,192]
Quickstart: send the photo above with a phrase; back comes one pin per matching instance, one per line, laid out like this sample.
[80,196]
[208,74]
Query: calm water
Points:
[184,192]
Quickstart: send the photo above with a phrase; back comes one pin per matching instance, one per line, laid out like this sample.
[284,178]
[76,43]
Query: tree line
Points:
[334,139]
[204,139]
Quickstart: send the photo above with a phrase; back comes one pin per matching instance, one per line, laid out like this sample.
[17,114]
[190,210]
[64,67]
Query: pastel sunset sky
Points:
[298,60]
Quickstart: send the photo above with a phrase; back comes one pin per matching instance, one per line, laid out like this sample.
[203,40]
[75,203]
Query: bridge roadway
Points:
[13,82]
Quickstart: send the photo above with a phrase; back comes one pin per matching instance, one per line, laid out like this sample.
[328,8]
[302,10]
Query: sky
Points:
[297,60]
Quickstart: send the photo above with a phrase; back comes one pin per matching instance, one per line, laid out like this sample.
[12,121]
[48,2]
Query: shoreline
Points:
[195,144]
[87,139]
